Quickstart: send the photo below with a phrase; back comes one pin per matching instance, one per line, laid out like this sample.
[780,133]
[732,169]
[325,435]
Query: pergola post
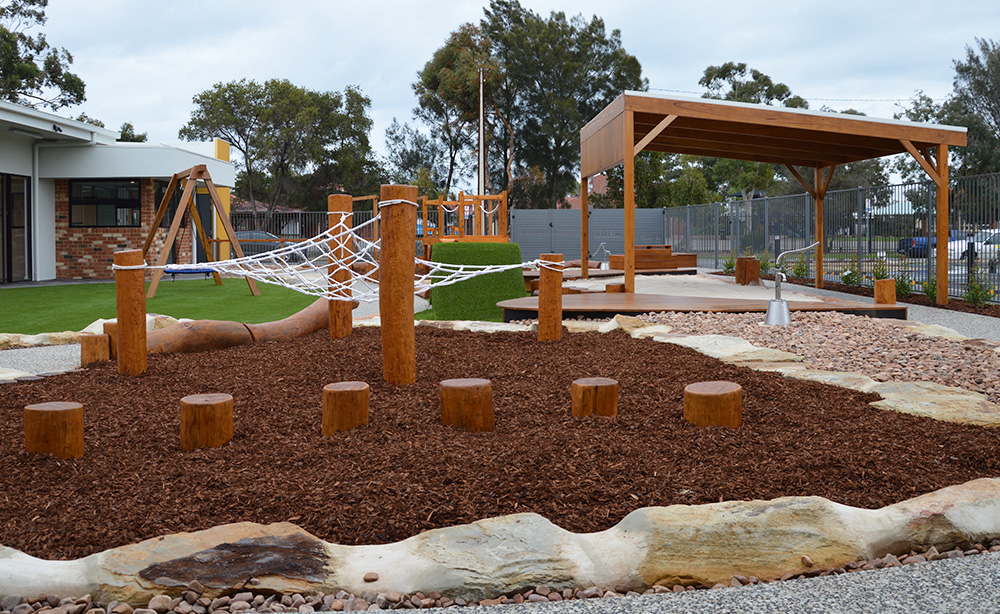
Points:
[819,196]
[629,189]
[584,227]
[943,214]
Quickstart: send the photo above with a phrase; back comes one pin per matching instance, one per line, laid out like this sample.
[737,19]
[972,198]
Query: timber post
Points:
[885,291]
[594,395]
[206,420]
[54,428]
[714,404]
[550,299]
[345,406]
[130,290]
[111,330]
[94,348]
[396,272]
[468,404]
[339,208]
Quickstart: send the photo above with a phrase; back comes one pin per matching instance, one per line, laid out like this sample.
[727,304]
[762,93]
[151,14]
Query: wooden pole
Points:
[584,227]
[345,406]
[885,291]
[594,395]
[111,330]
[941,213]
[54,428]
[341,322]
[468,404]
[820,194]
[206,420]
[714,404]
[396,271]
[629,188]
[130,286]
[550,300]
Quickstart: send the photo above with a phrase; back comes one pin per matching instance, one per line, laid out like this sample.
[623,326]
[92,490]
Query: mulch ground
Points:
[405,472]
[954,304]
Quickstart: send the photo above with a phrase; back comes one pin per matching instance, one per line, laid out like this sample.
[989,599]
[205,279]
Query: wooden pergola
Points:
[643,121]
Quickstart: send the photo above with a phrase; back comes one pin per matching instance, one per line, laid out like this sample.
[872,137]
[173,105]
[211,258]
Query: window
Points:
[113,202]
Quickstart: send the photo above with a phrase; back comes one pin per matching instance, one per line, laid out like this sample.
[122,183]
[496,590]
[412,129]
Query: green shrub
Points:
[903,285]
[766,264]
[930,288]
[977,293]
[729,262]
[801,268]
[852,275]
[476,298]
[880,269]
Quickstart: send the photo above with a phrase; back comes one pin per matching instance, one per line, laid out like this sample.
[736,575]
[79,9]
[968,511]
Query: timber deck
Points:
[601,305]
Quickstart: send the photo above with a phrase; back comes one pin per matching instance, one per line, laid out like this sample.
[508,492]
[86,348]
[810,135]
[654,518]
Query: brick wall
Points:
[87,253]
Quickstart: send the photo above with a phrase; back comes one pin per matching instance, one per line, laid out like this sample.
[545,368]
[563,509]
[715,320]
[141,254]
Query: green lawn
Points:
[72,307]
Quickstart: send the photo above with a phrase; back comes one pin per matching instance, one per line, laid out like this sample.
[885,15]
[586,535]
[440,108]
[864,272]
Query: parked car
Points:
[256,242]
[984,244]
[916,247]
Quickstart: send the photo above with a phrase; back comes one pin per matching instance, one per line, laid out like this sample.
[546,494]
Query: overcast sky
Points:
[144,60]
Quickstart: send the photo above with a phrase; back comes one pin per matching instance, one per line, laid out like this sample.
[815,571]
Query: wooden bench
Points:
[655,257]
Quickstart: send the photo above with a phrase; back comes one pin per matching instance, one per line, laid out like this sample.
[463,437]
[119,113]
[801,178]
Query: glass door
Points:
[14,223]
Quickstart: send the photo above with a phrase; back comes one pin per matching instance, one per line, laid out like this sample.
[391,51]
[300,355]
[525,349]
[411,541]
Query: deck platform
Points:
[601,305]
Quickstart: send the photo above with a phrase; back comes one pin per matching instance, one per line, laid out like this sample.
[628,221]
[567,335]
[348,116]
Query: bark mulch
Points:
[405,472]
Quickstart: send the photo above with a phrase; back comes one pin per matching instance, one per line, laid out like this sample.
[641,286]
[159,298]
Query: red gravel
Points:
[405,472]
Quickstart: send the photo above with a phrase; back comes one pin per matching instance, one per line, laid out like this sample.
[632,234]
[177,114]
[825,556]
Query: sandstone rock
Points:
[730,349]
[160,603]
[476,326]
[854,381]
[652,330]
[581,326]
[939,402]
[934,330]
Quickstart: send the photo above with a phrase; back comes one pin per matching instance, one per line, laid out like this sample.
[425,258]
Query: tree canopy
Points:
[295,145]
[31,72]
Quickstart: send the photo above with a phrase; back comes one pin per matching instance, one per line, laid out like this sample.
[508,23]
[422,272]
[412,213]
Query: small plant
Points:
[977,293]
[801,268]
[765,263]
[852,275]
[930,288]
[903,285]
[729,262]
[880,269]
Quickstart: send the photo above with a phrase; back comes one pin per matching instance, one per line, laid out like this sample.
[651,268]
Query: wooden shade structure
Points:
[638,121]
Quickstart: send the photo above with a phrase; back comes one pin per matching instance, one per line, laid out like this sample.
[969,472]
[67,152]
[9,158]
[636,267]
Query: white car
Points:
[985,244]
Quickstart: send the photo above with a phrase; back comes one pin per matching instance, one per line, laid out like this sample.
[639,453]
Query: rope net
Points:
[311,266]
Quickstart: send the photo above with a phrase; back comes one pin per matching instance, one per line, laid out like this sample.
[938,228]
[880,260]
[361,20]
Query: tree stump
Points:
[595,395]
[467,404]
[111,330]
[714,404]
[54,428]
[747,271]
[612,288]
[94,348]
[206,420]
[885,291]
[345,406]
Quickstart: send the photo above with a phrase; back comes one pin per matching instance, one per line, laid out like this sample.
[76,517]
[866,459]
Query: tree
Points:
[414,159]
[730,81]
[128,134]
[31,72]
[976,105]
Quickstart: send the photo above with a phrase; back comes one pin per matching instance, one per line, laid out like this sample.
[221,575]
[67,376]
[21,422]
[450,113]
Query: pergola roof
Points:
[723,129]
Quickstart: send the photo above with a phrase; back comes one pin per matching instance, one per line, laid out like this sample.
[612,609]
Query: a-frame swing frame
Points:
[192,176]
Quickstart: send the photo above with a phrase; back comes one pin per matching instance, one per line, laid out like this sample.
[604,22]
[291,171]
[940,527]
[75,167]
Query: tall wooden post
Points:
[130,290]
[340,311]
[820,194]
[550,300]
[941,225]
[629,187]
[584,227]
[396,271]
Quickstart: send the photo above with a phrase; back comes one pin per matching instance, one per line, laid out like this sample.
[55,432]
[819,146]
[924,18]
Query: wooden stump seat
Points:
[345,406]
[111,330]
[94,348]
[612,288]
[747,271]
[54,428]
[885,291]
[467,403]
[714,404]
[594,395]
[206,420]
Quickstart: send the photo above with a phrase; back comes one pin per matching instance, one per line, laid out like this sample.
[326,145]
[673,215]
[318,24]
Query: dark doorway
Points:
[14,224]
[206,212]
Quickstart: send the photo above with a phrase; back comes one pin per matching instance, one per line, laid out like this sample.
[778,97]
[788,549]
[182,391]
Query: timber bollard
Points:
[594,395]
[130,291]
[550,299]
[345,406]
[94,348]
[885,291]
[467,403]
[614,288]
[747,271]
[341,322]
[111,330]
[714,404]
[54,428]
[206,420]
[396,285]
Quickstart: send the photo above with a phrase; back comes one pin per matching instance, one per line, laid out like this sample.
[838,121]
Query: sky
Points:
[144,60]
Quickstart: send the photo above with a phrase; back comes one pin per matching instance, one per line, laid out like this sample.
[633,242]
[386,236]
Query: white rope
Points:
[131,267]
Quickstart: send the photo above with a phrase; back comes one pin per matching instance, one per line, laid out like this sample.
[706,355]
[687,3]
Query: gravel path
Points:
[46,359]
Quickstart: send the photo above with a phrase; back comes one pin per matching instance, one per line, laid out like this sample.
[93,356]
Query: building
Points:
[70,195]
